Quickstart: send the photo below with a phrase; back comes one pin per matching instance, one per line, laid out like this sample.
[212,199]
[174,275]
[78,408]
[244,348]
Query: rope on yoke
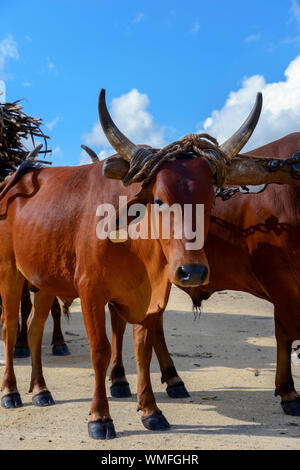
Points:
[146,162]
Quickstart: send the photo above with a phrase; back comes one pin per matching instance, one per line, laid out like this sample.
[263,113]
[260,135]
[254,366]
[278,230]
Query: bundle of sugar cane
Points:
[16,128]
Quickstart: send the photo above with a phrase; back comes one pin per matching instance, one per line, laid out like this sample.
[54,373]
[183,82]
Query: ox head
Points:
[183,181]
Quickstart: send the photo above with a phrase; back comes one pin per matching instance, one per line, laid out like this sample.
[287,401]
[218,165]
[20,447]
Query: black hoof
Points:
[21,351]
[156,422]
[60,350]
[43,399]
[177,390]
[291,407]
[120,390]
[11,400]
[102,429]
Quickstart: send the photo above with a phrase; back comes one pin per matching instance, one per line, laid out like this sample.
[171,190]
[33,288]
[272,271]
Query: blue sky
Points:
[169,67]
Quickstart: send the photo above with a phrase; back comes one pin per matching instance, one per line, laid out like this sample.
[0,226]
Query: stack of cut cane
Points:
[17,130]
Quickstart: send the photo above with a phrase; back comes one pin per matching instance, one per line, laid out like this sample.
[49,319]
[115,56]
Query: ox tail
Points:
[26,166]
[66,309]
[65,305]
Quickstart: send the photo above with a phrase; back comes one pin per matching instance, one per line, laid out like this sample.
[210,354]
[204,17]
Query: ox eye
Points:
[159,203]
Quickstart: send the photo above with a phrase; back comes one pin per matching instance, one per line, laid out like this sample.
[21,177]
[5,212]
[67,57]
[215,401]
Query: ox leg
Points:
[284,384]
[169,375]
[59,347]
[11,293]
[36,323]
[100,425]
[119,386]
[21,349]
[152,417]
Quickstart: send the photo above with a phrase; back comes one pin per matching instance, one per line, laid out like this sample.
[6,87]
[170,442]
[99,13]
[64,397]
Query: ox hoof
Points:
[102,429]
[177,390]
[60,350]
[156,422]
[43,399]
[21,351]
[11,400]
[120,390]
[291,407]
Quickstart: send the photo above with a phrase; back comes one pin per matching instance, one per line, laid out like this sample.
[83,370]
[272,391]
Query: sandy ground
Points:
[230,407]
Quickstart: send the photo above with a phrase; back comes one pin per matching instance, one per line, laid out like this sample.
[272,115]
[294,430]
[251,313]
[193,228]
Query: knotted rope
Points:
[146,162]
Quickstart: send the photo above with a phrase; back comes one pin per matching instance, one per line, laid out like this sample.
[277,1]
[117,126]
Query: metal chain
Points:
[226,193]
[270,225]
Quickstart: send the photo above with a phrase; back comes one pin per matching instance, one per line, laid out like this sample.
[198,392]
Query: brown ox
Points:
[48,236]
[257,237]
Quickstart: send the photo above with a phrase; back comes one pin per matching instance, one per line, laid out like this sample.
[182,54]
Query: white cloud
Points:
[2,92]
[57,151]
[51,67]
[84,158]
[8,50]
[295,16]
[280,114]
[129,112]
[139,17]
[252,38]
[295,10]
[27,84]
[195,28]
[50,125]
[28,145]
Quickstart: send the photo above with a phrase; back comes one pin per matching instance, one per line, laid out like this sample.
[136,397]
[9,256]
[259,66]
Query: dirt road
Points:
[217,355]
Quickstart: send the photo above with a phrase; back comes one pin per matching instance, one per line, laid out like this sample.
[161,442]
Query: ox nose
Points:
[192,274]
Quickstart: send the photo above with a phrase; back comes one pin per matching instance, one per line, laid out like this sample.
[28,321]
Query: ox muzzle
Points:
[192,275]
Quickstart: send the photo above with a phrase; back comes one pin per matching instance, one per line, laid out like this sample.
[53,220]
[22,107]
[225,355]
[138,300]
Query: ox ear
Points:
[115,167]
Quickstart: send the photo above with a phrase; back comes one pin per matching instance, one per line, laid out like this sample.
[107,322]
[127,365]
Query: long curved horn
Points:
[235,143]
[120,143]
[91,153]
